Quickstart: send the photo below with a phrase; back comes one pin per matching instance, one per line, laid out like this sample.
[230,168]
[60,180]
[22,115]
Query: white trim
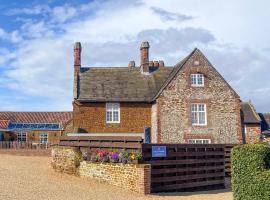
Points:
[196,80]
[197,111]
[113,122]
[196,140]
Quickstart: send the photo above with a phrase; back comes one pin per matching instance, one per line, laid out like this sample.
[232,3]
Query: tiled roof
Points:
[36,117]
[3,124]
[120,83]
[249,114]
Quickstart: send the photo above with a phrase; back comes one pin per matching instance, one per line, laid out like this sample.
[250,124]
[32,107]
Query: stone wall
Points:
[222,105]
[135,177]
[66,159]
[91,117]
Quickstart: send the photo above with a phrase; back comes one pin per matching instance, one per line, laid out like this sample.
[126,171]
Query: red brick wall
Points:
[92,118]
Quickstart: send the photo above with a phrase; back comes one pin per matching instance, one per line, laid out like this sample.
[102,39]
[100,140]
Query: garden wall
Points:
[135,177]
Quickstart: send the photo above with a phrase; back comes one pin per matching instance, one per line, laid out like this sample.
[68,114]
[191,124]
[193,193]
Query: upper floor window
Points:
[197,80]
[112,112]
[21,137]
[199,141]
[43,137]
[198,114]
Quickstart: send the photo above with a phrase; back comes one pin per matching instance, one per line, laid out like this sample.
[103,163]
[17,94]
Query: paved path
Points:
[31,178]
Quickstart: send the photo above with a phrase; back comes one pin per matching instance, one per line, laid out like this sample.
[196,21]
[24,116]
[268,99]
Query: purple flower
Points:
[115,156]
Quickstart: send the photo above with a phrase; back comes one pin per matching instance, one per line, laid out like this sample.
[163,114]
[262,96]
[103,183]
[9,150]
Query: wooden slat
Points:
[189,161]
[186,169]
[186,177]
[187,185]
[189,154]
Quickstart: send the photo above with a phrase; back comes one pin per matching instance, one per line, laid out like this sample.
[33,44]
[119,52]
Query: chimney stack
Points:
[156,64]
[144,57]
[131,64]
[77,67]
[77,57]
[161,64]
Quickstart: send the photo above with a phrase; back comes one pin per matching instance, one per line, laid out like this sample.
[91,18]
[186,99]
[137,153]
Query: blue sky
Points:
[37,37]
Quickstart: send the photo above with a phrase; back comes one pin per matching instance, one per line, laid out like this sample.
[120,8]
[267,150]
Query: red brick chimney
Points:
[77,57]
[77,67]
[144,57]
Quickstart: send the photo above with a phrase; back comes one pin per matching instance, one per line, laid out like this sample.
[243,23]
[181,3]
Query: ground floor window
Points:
[199,141]
[22,137]
[43,137]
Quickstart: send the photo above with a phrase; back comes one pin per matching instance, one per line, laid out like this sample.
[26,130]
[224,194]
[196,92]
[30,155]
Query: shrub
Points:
[250,172]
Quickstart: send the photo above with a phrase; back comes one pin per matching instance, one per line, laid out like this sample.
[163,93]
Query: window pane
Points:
[194,118]
[201,118]
[115,116]
[193,107]
[193,79]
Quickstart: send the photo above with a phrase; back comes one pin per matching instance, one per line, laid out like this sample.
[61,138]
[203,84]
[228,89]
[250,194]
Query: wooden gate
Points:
[186,167]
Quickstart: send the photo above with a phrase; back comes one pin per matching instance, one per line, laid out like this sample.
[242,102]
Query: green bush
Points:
[250,172]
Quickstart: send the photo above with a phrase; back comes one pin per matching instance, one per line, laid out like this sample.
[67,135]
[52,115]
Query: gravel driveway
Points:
[32,178]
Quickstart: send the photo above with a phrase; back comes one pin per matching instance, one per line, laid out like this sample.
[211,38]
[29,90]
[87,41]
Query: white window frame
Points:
[41,138]
[112,107]
[199,141]
[198,111]
[20,135]
[196,78]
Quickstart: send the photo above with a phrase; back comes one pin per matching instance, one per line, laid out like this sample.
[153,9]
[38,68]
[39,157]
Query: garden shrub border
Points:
[250,172]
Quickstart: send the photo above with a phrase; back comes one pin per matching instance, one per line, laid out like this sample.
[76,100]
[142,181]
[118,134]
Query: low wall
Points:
[66,159]
[135,177]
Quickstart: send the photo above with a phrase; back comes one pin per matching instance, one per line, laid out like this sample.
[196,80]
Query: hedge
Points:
[250,172]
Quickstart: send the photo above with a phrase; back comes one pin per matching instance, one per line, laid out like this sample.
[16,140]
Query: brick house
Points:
[251,123]
[189,102]
[33,126]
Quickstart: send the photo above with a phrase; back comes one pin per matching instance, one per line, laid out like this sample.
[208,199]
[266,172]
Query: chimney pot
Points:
[131,64]
[155,63]
[161,63]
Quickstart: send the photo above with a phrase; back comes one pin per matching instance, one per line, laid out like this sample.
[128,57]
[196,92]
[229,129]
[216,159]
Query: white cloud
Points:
[111,32]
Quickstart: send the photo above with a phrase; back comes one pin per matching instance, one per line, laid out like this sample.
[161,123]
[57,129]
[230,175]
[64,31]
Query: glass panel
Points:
[115,116]
[194,118]
[201,118]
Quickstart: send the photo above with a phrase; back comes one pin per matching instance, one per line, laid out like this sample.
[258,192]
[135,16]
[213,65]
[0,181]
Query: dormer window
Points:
[197,80]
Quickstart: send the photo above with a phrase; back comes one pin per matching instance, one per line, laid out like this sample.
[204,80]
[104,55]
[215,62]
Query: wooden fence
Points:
[228,149]
[187,167]
[120,142]
[25,145]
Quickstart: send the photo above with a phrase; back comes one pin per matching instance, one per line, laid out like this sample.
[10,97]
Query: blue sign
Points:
[159,151]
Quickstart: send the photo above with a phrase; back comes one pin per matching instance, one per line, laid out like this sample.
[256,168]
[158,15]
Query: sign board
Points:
[159,151]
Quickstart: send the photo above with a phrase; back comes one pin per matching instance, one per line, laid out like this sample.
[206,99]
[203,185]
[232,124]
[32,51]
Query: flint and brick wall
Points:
[66,159]
[91,117]
[135,177]
[173,116]
[252,133]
